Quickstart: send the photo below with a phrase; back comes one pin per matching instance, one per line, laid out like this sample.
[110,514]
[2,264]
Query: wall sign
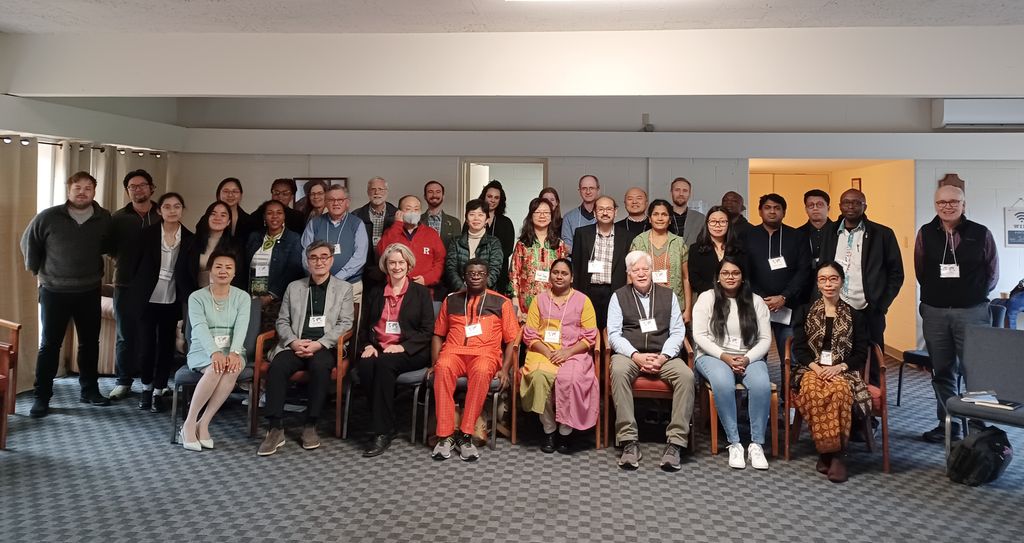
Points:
[1014,221]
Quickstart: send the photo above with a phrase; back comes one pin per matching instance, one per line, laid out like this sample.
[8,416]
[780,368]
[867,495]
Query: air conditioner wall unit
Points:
[978,113]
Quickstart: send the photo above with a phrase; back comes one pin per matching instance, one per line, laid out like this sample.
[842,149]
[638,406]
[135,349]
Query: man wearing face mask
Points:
[423,241]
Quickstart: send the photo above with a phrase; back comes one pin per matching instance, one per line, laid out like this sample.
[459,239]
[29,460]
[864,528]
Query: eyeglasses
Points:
[376,190]
[314,259]
[336,200]
[816,205]
[280,193]
[834,279]
[718,222]
[542,213]
[587,189]
[850,203]
[138,187]
[606,209]
[476,273]
[947,203]
[733,273]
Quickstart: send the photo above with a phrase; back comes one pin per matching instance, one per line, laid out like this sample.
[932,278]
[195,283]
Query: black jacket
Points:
[415,318]
[294,220]
[703,267]
[126,227]
[186,269]
[815,237]
[793,280]
[583,246]
[145,270]
[881,263]
[502,228]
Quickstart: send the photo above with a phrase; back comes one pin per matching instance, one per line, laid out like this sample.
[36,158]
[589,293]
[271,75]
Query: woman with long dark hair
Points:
[213,233]
[551,195]
[230,192]
[538,246]
[732,332]
[474,242]
[499,226]
[715,241]
[315,200]
[669,254]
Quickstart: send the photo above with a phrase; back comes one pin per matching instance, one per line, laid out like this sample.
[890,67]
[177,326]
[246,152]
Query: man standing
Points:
[347,235]
[590,190]
[126,226]
[957,266]
[447,226]
[468,334]
[816,202]
[283,190]
[646,332]
[780,266]
[376,214]
[63,247]
[870,256]
[732,201]
[636,206]
[686,223]
[424,243]
[599,257]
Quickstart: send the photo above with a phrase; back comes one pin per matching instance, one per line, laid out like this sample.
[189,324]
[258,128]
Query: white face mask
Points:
[411,217]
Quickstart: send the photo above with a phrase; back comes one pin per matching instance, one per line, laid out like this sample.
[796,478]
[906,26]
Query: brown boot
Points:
[837,472]
[824,463]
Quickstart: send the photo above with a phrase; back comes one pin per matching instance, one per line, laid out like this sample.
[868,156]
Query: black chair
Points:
[991,362]
[185,380]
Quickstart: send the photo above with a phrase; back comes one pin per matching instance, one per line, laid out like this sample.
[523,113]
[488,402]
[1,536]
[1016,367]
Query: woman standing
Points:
[315,200]
[715,241]
[830,348]
[157,283]
[474,242]
[559,383]
[551,195]
[396,329]
[213,234]
[669,254]
[219,317]
[273,258]
[732,332]
[501,227]
[229,191]
[537,248]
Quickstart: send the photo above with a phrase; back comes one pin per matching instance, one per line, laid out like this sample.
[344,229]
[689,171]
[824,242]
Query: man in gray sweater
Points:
[63,248]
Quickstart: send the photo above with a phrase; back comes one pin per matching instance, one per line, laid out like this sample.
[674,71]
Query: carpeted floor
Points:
[110,474]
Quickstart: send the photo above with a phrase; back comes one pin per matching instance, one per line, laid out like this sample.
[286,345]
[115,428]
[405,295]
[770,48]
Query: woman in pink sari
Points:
[559,383]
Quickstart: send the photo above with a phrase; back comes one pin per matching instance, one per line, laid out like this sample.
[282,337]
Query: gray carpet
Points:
[110,474]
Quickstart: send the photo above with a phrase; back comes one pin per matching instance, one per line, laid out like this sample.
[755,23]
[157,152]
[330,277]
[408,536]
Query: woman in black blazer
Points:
[156,288]
[213,233]
[396,328]
[715,241]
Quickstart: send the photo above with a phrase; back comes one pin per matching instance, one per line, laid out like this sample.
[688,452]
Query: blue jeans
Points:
[723,384]
[1014,305]
[126,317]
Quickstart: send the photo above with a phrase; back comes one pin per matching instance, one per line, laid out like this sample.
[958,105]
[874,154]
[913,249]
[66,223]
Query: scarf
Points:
[842,346]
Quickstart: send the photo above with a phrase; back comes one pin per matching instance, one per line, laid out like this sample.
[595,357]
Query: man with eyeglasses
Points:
[126,226]
[377,215]
[590,191]
[957,266]
[816,205]
[686,223]
[345,234]
[599,257]
[870,256]
[283,190]
[636,221]
[315,312]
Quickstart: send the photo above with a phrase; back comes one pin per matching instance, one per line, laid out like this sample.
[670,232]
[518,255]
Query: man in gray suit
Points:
[686,222]
[315,312]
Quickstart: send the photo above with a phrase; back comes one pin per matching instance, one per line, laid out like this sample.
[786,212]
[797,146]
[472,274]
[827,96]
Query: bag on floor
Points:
[980,458]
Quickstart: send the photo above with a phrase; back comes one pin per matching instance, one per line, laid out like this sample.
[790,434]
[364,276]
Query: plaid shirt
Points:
[604,251]
[377,219]
[434,221]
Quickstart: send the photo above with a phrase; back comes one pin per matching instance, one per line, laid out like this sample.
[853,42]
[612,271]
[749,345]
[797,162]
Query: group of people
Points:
[455,297]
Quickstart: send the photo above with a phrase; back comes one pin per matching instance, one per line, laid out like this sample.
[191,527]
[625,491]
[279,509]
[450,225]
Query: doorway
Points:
[521,178]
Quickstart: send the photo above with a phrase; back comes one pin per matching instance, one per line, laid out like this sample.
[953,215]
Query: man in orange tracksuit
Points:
[472,326]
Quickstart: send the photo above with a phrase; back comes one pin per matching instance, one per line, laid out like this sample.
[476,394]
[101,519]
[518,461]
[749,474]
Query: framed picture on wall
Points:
[855,183]
[301,184]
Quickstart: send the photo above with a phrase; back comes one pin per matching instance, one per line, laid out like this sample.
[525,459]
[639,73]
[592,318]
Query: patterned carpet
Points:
[110,474]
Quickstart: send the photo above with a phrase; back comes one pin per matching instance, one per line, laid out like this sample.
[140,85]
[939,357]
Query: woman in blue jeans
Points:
[732,333]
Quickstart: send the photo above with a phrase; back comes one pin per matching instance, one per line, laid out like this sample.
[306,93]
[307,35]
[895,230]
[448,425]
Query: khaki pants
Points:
[676,374]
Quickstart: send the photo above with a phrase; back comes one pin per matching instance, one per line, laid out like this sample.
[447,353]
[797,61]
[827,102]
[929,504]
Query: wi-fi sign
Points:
[1020,216]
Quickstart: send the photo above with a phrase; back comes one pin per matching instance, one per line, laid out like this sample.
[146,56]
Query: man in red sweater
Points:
[424,242]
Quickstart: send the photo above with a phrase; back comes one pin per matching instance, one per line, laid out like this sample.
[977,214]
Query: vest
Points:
[971,288]
[661,298]
[343,234]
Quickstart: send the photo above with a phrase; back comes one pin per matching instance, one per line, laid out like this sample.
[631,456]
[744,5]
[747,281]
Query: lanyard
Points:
[949,237]
[341,229]
[668,253]
[564,309]
[636,300]
[780,244]
[479,309]
[311,303]
[597,236]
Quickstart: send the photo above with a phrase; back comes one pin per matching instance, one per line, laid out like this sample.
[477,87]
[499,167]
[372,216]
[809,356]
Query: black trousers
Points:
[56,309]
[377,375]
[282,367]
[876,329]
[600,296]
[157,331]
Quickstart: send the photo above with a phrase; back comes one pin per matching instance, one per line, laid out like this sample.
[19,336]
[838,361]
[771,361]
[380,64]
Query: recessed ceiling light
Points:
[7,139]
[24,141]
[141,153]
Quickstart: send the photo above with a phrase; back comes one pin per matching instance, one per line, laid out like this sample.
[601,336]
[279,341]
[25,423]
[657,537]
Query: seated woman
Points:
[396,329]
[537,248]
[830,347]
[273,258]
[219,317]
[732,332]
[558,378]
[474,242]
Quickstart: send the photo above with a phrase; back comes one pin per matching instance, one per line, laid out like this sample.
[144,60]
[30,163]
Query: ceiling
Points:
[816,165]
[408,16]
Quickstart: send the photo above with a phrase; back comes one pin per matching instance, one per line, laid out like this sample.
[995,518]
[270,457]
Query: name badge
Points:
[262,271]
[426,250]
[777,263]
[733,343]
[337,248]
[660,276]
[648,325]
[826,358]
[317,321]
[541,275]
[595,266]
[222,342]
[552,336]
[949,271]
[392,327]
[473,330]
[166,275]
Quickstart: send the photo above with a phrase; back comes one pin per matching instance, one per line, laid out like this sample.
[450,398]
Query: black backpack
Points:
[980,458]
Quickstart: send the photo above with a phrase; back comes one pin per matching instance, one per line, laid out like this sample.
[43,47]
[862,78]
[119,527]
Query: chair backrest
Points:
[992,361]
[997,314]
[250,335]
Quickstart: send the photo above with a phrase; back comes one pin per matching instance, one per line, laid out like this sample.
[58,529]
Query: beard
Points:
[77,205]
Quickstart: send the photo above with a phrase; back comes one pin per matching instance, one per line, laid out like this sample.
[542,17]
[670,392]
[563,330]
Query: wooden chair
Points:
[712,410]
[8,375]
[517,376]
[644,387]
[879,404]
[338,374]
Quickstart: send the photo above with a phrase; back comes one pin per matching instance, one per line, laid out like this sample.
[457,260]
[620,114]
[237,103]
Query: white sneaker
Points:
[736,456]
[120,392]
[756,456]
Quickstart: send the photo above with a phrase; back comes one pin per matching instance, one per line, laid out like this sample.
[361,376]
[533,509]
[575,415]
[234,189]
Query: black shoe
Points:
[938,434]
[381,442]
[40,408]
[565,444]
[158,404]
[93,397]
[549,443]
[146,400]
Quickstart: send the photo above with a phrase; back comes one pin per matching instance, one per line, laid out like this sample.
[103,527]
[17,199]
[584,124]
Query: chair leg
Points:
[426,412]
[773,419]
[494,420]
[899,385]
[949,432]
[514,437]
[3,422]
[254,413]
[713,421]
[415,409]
[348,403]
[174,415]
[339,391]
[869,434]
[885,440]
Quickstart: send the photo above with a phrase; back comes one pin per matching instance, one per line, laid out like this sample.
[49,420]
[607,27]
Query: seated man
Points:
[473,324]
[645,329]
[315,312]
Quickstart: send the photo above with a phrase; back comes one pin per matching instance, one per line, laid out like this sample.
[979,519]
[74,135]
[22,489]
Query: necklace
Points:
[218,305]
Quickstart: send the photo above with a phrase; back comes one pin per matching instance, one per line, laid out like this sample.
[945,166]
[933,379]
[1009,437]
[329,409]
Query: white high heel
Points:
[193,446]
[206,443]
